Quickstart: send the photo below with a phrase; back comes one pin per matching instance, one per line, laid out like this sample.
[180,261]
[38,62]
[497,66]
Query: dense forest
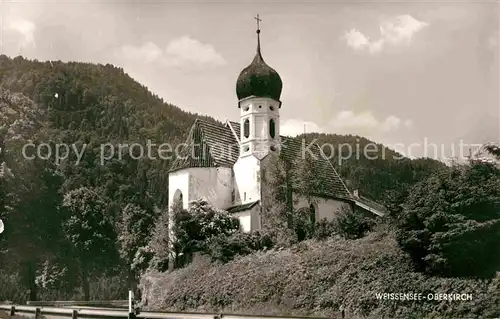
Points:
[50,232]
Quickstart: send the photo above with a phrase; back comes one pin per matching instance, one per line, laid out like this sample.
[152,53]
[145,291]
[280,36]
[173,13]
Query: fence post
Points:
[74,315]
[131,313]
[12,311]
[38,313]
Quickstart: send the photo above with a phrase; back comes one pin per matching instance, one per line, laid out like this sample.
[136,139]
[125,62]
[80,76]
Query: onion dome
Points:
[259,79]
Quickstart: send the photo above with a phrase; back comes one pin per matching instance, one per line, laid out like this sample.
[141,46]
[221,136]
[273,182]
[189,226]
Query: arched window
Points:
[177,198]
[246,128]
[272,128]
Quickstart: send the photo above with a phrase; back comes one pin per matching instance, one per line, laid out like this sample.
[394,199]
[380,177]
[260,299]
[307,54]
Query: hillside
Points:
[317,278]
[82,103]
[102,104]
[96,104]
[373,173]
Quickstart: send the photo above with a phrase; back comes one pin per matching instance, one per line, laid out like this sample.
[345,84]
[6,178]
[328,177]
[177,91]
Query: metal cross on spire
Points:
[258,22]
[258,34]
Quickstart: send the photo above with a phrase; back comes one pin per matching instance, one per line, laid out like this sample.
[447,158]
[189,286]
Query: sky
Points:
[418,76]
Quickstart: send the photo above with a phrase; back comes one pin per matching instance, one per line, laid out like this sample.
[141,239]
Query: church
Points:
[223,163]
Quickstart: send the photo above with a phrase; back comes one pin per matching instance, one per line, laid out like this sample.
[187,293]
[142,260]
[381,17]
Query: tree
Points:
[393,201]
[89,231]
[34,209]
[158,245]
[193,228]
[450,223]
[135,229]
[3,206]
[3,180]
[305,182]
[276,194]
[277,200]
[494,150]
[306,185]
[29,189]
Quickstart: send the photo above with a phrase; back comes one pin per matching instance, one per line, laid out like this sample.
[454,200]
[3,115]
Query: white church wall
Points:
[325,207]
[247,179]
[328,208]
[245,218]
[213,184]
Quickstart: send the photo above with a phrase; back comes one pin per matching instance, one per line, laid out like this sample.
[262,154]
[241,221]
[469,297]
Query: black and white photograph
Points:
[241,159]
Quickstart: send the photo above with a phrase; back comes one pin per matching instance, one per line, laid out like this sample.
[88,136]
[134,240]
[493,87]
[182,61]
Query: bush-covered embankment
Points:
[317,278]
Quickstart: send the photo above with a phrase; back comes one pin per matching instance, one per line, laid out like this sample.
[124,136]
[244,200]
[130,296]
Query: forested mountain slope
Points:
[371,167]
[102,104]
[82,103]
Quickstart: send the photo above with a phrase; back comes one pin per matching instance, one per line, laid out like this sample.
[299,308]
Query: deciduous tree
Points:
[192,228]
[89,231]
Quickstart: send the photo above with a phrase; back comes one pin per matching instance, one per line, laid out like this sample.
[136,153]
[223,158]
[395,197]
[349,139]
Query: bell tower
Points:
[258,89]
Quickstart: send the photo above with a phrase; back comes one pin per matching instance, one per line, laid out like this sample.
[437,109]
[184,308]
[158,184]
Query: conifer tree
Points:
[277,201]
[135,229]
[450,223]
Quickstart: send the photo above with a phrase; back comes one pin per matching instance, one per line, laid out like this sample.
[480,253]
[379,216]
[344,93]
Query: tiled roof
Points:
[220,149]
[329,180]
[241,208]
[208,145]
[370,205]
[236,127]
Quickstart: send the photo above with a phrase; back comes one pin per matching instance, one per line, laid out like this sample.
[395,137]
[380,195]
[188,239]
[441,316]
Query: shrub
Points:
[143,259]
[324,229]
[194,227]
[302,224]
[11,288]
[225,248]
[315,279]
[352,224]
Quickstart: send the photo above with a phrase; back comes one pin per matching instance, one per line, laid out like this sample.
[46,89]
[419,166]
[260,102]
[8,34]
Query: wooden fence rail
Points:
[41,311]
[94,303]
